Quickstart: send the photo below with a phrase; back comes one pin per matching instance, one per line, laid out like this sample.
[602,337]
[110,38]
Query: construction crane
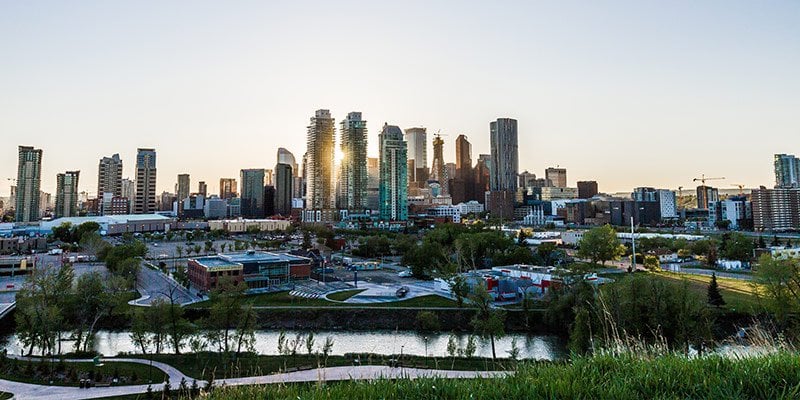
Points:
[703,179]
[741,188]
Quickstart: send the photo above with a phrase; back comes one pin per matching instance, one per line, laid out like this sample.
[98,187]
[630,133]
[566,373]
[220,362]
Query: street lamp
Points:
[633,247]
[426,350]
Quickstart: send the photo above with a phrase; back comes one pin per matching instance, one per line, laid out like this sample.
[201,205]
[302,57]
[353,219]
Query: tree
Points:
[545,251]
[460,289]
[225,312]
[310,341]
[489,322]
[600,244]
[428,321]
[762,244]
[140,329]
[714,295]
[652,263]
[737,247]
[179,250]
[780,282]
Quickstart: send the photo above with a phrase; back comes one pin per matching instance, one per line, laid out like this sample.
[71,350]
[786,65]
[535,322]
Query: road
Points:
[154,285]
[23,391]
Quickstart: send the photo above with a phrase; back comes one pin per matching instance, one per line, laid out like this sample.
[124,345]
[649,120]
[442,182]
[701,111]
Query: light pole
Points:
[633,248]
[426,350]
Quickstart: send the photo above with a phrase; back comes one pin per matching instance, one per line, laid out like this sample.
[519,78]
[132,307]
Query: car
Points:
[402,292]
[405,274]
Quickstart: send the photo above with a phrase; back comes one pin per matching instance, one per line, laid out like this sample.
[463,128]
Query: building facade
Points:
[252,192]
[29,180]
[393,174]
[109,176]
[787,171]
[320,162]
[283,189]
[228,188]
[504,155]
[587,189]
[417,140]
[776,209]
[556,177]
[145,200]
[67,194]
[353,177]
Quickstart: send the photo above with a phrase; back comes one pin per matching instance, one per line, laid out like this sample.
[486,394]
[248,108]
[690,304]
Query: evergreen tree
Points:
[762,244]
[714,295]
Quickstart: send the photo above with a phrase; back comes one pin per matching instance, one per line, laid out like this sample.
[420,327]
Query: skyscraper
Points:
[462,184]
[504,162]
[557,177]
[417,140]
[787,171]
[353,178]
[227,188]
[393,174]
[67,194]
[128,189]
[29,179]
[286,157]
[283,189]
[373,183]
[252,193]
[109,176]
[438,172]
[202,189]
[587,189]
[320,162]
[145,201]
[705,195]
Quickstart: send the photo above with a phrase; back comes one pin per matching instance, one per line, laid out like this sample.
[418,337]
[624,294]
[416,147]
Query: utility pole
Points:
[633,248]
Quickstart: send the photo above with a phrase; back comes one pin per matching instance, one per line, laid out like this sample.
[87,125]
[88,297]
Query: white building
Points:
[241,225]
[452,212]
[470,207]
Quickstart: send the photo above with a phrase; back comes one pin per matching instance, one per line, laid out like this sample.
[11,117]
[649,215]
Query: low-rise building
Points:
[242,225]
[261,271]
[470,207]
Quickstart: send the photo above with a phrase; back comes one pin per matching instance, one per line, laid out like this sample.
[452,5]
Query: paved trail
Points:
[24,391]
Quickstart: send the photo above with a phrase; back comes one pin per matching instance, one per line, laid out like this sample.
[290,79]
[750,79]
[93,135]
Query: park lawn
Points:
[430,300]
[5,395]
[344,295]
[739,295]
[205,365]
[68,374]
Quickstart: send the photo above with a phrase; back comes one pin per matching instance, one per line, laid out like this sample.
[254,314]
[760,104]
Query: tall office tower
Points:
[417,139]
[286,157]
[145,201]
[463,156]
[202,189]
[587,189]
[504,159]
[183,188]
[556,176]
[705,195]
[353,177]
[787,171]
[227,188]
[373,183]
[67,194]
[109,176]
[320,163]
[269,200]
[252,193]
[393,174]
[482,175]
[29,180]
[438,172]
[462,183]
[283,189]
[268,177]
[128,189]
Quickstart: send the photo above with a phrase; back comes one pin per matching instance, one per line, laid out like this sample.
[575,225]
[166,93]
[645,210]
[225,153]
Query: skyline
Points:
[218,88]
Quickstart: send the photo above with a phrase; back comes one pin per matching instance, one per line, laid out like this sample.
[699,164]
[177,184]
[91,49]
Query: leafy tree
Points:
[737,247]
[40,308]
[489,322]
[600,244]
[780,282]
[652,263]
[714,295]
[428,321]
[545,252]
[460,289]
[140,329]
[762,244]
[310,341]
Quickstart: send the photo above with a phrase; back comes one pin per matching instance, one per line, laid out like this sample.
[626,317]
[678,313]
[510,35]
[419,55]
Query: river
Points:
[111,343]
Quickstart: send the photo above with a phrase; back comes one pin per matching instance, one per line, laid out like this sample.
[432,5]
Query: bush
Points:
[428,321]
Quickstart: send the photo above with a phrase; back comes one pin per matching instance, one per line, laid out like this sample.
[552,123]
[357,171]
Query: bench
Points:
[102,384]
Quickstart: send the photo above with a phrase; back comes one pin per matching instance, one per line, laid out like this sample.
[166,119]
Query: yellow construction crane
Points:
[741,188]
[703,179]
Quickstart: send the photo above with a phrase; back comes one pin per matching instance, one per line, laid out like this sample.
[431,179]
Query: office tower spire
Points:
[320,162]
[29,180]
[393,174]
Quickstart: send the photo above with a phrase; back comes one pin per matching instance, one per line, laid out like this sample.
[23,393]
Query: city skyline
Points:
[641,103]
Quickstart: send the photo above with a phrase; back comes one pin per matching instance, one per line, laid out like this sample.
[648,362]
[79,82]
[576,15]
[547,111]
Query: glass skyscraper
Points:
[393,174]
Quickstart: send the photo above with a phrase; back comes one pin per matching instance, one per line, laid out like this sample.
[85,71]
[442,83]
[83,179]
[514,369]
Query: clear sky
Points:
[627,93]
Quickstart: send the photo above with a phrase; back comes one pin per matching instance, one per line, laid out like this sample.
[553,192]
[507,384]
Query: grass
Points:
[283,299]
[68,374]
[775,376]
[739,295]
[207,364]
[5,395]
[344,295]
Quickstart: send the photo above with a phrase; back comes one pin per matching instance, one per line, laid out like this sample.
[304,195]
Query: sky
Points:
[628,93]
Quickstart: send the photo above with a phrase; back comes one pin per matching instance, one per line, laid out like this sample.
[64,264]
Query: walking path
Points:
[24,391]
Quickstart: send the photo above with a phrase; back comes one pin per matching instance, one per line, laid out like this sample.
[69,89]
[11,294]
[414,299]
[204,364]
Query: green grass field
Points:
[342,296]
[68,374]
[739,295]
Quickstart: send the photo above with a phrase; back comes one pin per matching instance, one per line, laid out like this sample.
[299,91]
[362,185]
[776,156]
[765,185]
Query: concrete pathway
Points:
[24,391]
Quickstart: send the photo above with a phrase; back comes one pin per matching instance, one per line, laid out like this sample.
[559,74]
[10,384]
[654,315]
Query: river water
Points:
[111,343]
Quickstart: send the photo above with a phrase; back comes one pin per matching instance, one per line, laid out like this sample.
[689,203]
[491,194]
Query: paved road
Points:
[24,391]
[154,285]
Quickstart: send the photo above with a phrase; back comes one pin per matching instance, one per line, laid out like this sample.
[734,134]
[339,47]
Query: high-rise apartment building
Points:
[417,140]
[462,184]
[283,189]
[29,180]
[556,177]
[252,193]
[202,189]
[320,162]
[109,176]
[67,194]
[666,199]
[145,201]
[353,177]
[183,187]
[776,209]
[587,189]
[227,188]
[393,174]
[705,195]
[505,160]
[373,182]
[438,172]
[787,171]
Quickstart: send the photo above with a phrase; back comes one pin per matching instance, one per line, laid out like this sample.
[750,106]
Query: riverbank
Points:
[774,376]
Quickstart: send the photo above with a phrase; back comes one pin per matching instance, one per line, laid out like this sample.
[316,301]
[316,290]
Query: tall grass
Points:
[771,376]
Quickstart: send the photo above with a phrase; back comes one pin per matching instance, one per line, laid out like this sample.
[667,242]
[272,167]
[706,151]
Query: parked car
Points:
[405,274]
[402,292]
